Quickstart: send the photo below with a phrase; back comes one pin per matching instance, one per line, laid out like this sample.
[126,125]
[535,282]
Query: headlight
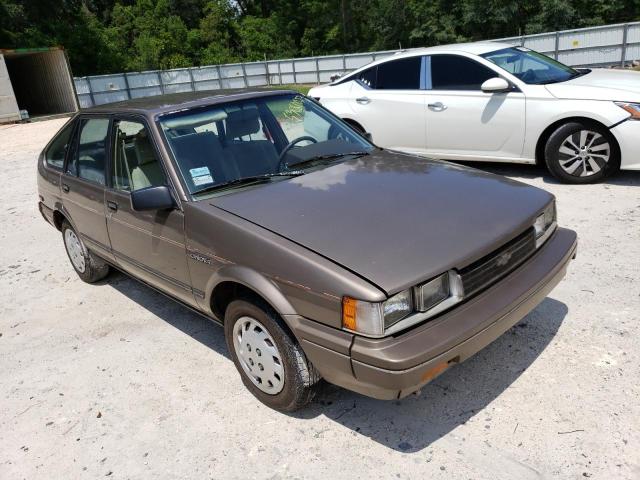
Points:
[632,108]
[372,319]
[545,224]
[417,303]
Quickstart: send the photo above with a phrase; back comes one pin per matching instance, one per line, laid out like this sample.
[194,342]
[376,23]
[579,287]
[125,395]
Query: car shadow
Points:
[200,328]
[530,172]
[413,423]
[407,425]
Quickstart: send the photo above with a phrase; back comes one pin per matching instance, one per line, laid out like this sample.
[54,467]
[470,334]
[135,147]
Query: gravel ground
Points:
[115,380]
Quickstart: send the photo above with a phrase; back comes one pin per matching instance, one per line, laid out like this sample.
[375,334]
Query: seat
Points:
[199,155]
[148,171]
[251,157]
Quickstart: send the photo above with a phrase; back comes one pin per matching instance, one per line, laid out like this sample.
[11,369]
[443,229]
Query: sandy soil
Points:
[115,380]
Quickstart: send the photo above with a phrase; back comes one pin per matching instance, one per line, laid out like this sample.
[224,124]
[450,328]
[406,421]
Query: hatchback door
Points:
[149,244]
[83,183]
[389,102]
[463,122]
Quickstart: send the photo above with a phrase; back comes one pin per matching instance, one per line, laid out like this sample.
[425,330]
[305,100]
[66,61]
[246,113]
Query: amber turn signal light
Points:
[349,313]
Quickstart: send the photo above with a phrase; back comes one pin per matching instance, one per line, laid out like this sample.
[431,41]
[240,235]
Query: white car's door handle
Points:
[437,107]
[363,100]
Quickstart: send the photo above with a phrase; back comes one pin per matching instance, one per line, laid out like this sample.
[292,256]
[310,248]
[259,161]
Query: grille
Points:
[496,265]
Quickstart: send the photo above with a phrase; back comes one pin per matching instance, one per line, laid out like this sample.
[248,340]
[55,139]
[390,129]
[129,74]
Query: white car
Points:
[495,102]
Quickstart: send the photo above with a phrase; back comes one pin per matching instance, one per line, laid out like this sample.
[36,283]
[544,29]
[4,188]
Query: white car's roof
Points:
[475,48]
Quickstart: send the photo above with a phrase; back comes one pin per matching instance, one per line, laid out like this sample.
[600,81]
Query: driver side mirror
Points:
[495,85]
[152,198]
[368,136]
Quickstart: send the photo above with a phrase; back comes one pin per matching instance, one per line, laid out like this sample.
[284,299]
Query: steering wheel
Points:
[290,146]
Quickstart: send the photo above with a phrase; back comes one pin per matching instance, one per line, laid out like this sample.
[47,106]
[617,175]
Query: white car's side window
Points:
[455,72]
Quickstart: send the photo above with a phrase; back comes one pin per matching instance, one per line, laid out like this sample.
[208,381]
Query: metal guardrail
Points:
[608,45]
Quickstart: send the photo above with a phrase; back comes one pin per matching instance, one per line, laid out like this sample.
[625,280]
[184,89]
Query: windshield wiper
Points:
[322,158]
[265,177]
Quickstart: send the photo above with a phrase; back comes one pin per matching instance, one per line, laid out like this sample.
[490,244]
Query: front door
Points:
[149,244]
[389,103]
[83,184]
[463,122]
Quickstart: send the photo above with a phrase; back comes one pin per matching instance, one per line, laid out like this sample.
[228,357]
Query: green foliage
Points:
[103,36]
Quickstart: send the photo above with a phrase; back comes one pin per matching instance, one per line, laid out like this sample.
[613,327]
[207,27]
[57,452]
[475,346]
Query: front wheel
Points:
[270,362]
[581,152]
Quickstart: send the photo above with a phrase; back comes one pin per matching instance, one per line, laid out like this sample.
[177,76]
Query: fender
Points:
[252,279]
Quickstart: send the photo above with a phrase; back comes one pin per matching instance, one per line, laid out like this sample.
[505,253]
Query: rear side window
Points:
[89,158]
[402,74]
[453,72]
[58,149]
[368,77]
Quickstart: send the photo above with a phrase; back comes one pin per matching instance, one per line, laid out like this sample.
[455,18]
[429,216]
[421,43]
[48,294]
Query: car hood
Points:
[600,84]
[392,218]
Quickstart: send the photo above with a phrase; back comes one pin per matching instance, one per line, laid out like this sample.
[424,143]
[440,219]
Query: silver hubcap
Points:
[258,355]
[74,247]
[584,153]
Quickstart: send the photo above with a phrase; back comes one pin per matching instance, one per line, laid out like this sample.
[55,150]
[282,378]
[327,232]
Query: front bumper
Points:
[627,134]
[396,366]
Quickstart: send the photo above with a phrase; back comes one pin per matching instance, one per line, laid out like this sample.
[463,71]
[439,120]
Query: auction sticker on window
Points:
[201,176]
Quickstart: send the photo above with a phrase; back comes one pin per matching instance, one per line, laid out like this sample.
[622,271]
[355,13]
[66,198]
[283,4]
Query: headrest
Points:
[243,122]
[144,149]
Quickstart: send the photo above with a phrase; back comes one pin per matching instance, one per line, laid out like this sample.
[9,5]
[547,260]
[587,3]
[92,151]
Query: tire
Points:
[286,385]
[571,160]
[89,267]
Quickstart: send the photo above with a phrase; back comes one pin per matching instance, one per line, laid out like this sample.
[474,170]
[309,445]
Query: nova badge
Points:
[200,258]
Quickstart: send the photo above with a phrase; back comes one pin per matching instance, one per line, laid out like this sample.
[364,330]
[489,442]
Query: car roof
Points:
[473,48]
[172,102]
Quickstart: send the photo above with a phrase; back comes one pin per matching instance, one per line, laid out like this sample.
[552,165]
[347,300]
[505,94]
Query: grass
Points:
[303,89]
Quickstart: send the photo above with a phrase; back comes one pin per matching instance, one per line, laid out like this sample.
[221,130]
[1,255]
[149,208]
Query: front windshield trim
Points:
[535,57]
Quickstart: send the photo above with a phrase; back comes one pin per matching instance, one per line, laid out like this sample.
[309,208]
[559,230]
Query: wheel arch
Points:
[547,132]
[234,281]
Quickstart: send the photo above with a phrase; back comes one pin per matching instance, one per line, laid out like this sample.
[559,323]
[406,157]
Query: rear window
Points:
[402,74]
[57,151]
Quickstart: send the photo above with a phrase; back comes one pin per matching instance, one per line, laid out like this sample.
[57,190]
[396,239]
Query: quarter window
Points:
[88,161]
[58,149]
[402,74]
[135,163]
[453,72]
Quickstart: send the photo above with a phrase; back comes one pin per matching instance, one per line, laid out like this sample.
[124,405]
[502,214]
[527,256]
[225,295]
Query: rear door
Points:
[463,122]
[389,102]
[149,244]
[83,183]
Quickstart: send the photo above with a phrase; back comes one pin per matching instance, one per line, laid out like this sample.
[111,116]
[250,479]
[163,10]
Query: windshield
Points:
[531,67]
[265,139]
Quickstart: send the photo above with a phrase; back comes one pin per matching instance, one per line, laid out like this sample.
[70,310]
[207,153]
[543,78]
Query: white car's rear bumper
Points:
[628,136]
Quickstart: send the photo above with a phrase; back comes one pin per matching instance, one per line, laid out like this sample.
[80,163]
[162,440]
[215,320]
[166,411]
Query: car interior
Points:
[136,165]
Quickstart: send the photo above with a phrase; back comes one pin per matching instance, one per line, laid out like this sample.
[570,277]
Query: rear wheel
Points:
[270,362]
[89,267]
[581,152]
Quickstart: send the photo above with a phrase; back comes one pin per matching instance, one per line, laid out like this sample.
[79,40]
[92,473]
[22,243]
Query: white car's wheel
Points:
[582,153]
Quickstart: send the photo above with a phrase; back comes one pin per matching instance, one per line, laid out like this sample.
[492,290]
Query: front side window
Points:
[402,74]
[89,158]
[531,67]
[368,77]
[135,163]
[57,151]
[454,72]
[267,138]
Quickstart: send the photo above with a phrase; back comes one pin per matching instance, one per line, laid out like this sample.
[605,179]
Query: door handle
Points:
[65,187]
[112,205]
[363,100]
[437,107]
